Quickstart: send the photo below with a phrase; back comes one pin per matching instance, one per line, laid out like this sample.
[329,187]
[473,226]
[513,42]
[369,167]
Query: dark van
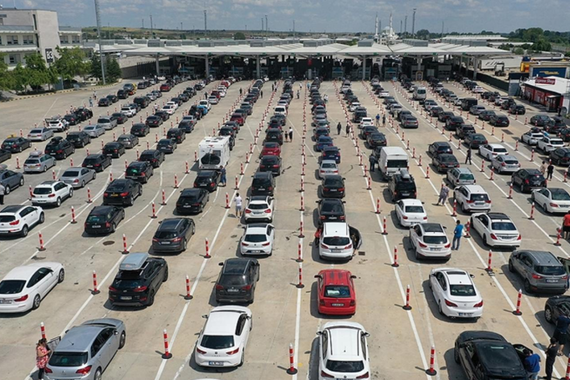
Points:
[467,103]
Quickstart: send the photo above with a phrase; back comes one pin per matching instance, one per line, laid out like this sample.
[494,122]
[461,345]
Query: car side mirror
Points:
[353,276]
[205,316]
[221,264]
[116,332]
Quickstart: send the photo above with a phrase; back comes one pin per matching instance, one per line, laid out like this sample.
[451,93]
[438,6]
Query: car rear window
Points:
[479,197]
[560,196]
[90,161]
[42,190]
[70,173]
[336,240]
[550,270]
[133,171]
[503,226]
[116,187]
[414,209]
[406,185]
[345,366]
[331,207]
[257,182]
[11,286]
[31,161]
[68,359]
[165,234]
[397,163]
[255,238]
[217,342]
[462,290]
[337,291]
[466,176]
[7,218]
[435,239]
[232,280]
[96,219]
[257,206]
[327,165]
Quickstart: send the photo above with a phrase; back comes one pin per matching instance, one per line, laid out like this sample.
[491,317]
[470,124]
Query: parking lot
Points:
[283,314]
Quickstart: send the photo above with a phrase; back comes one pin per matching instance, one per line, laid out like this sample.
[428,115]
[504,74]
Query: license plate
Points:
[551,280]
[233,290]
[5,301]
[254,251]
[216,364]
[435,249]
[335,250]
[333,190]
[114,195]
[187,206]
[258,212]
[164,242]
[337,304]
[465,314]
[95,226]
[479,203]
[126,298]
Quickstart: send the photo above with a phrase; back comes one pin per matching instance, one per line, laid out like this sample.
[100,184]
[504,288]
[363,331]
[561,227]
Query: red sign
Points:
[541,80]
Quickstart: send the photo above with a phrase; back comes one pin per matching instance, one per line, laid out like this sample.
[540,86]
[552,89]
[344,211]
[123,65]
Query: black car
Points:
[114,149]
[103,220]
[120,117]
[274,135]
[59,148]
[112,98]
[122,94]
[192,201]
[474,140]
[564,134]
[140,130]
[207,179]
[486,115]
[499,120]
[5,155]
[104,102]
[139,171]
[443,162]
[452,123]
[122,192]
[167,145]
[155,157]
[83,113]
[402,185]
[176,134]
[439,147]
[464,129]
[173,234]
[331,210]
[270,164]
[16,144]
[331,153]
[528,179]
[486,355]
[435,111]
[263,183]
[97,162]
[366,131]
[237,281]
[139,278]
[128,140]
[555,307]
[78,139]
[332,186]
[554,125]
[517,109]
[539,120]
[71,119]
[320,131]
[233,125]
[163,115]
[153,121]
[186,125]
[560,156]
[443,116]
[142,101]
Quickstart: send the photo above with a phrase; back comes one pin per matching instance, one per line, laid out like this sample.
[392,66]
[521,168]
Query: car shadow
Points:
[313,364]
[517,283]
[454,370]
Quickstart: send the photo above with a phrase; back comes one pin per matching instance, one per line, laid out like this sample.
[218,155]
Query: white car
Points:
[531,138]
[343,351]
[410,212]
[496,229]
[169,109]
[171,103]
[257,239]
[51,193]
[338,241]
[478,90]
[505,163]
[40,134]
[94,130]
[23,288]
[223,340]
[383,94]
[353,106]
[57,124]
[213,99]
[130,111]
[552,200]
[17,219]
[222,91]
[455,293]
[472,198]
[429,241]
[259,208]
[365,121]
[549,143]
[488,151]
[457,101]
[328,167]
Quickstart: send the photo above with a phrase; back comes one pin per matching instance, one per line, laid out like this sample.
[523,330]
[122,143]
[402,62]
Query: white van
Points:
[420,94]
[280,110]
[392,159]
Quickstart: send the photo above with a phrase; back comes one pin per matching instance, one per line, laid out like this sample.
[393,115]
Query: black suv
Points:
[114,149]
[237,280]
[140,130]
[274,135]
[528,179]
[139,278]
[176,134]
[332,186]
[103,220]
[122,192]
[270,164]
[560,156]
[499,120]
[439,147]
[139,171]
[59,147]
[263,183]
[207,179]
[401,186]
[97,162]
[142,101]
[155,157]
[192,201]
[78,139]
[452,122]
[173,234]
[464,129]
[443,162]
[331,210]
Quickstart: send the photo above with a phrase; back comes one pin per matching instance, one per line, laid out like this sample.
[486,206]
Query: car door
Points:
[107,350]
[480,224]
[542,197]
[436,288]
[45,281]
[400,210]
[469,360]
[26,216]
[415,235]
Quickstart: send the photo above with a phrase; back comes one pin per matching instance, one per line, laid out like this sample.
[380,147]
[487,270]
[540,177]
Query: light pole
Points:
[413,22]
[102,60]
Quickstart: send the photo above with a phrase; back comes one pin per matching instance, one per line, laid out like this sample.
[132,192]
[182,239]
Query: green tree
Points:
[423,34]
[37,73]
[519,51]
[239,36]
[113,70]
[71,63]
[533,34]
[95,67]
[541,45]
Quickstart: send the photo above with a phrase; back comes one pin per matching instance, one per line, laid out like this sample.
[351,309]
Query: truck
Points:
[214,152]
[391,160]
[420,94]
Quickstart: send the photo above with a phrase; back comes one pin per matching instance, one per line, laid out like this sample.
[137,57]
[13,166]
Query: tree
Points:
[423,34]
[533,34]
[519,51]
[37,73]
[95,67]
[239,36]
[113,70]
[71,63]
[541,45]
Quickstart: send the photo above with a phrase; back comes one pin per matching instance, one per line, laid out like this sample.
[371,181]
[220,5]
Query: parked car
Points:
[540,271]
[207,179]
[429,241]
[237,281]
[140,130]
[77,177]
[153,156]
[552,200]
[16,144]
[38,162]
[94,131]
[172,235]
[78,139]
[192,201]
[528,179]
[122,192]
[455,293]
[496,229]
[40,134]
[257,239]
[129,140]
[336,292]
[10,180]
[139,171]
[97,162]
[505,163]
[409,212]
[103,220]
[18,219]
[332,186]
[114,149]
[51,193]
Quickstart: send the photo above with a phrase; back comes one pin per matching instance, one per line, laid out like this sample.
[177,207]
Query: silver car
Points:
[128,140]
[94,130]
[38,162]
[78,177]
[107,122]
[505,164]
[40,134]
[328,167]
[86,350]
[460,176]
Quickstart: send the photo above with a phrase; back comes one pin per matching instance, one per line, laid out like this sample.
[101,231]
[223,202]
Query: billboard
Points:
[541,80]
[545,71]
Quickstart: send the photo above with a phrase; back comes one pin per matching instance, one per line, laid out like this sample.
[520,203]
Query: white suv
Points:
[343,351]
[17,220]
[52,193]
[549,143]
[488,151]
[472,198]
[496,229]
[130,111]
[335,241]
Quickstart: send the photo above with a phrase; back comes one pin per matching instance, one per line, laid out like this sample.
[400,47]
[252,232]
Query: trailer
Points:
[214,152]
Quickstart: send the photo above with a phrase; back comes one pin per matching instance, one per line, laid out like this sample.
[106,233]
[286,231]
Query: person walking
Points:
[565,225]
[223,178]
[551,352]
[261,94]
[238,202]
[326,98]
[338,128]
[206,95]
[240,91]
[468,155]
[90,102]
[383,119]
[457,234]
[549,171]
[372,161]
[298,94]
[286,135]
[347,129]
[377,119]
[561,331]
[3,191]
[531,364]
[443,194]
[155,107]
[42,357]
[95,95]
[543,167]
[290,134]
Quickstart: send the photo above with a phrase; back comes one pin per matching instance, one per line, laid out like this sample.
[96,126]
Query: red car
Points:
[271,149]
[336,295]
[216,94]
[165,87]
[237,118]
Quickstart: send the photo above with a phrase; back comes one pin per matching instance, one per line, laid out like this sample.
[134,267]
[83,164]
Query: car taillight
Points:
[324,246]
[15,223]
[519,237]
[526,181]
[105,194]
[488,201]
[233,352]
[447,245]
[97,165]
[51,195]
[480,304]
[219,287]
[139,289]
[200,351]
[422,244]
[124,194]
[245,244]
[265,244]
[324,374]
[21,299]
[268,211]
[536,276]
[270,188]
[493,236]
[59,151]
[176,240]
[107,224]
[449,303]
[247,287]
[348,246]
[553,205]
[365,376]
[111,289]
[48,370]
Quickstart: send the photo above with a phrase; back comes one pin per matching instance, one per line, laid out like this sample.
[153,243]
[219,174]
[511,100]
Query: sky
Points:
[313,15]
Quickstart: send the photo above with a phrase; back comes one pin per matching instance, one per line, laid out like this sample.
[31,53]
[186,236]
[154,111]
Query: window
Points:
[76,39]
[12,40]
[63,40]
[28,39]
[12,59]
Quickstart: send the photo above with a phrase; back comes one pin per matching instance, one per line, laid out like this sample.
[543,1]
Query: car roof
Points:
[335,229]
[492,145]
[237,266]
[335,277]
[543,257]
[434,228]
[170,224]
[456,276]
[80,338]
[222,320]
[411,202]
[344,340]
[25,271]
[498,216]
[192,191]
[12,209]
[475,189]
[256,228]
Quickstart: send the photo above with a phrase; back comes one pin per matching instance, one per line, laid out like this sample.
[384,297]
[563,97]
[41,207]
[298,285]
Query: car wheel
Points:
[45,169]
[521,188]
[24,231]
[97,374]
[42,218]
[61,276]
[64,155]
[527,287]
[140,192]
[7,190]
[464,208]
[70,193]
[82,183]
[22,181]
[184,245]
[37,302]
[82,144]
[150,299]
[548,315]
[122,340]
[113,227]
[130,201]
[242,358]
[58,202]
[94,175]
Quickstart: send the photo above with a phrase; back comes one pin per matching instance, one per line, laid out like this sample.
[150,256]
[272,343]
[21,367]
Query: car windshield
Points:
[551,270]
[503,226]
[337,291]
[217,342]
[462,290]
[68,359]
[336,240]
[560,195]
[257,206]
[430,239]
[11,286]
[42,190]
[345,366]
[415,209]
[255,238]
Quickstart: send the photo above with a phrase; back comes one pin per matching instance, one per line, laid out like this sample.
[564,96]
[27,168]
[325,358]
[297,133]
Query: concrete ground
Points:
[400,341]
